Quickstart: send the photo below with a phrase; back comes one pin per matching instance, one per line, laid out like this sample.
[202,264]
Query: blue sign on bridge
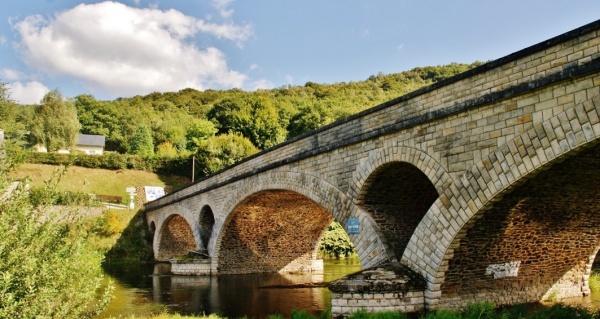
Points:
[353,226]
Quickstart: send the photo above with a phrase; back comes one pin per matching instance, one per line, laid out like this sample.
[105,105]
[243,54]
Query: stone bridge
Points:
[486,184]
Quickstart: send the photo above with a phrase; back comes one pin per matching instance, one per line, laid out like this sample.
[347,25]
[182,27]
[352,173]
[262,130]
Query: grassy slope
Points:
[97,181]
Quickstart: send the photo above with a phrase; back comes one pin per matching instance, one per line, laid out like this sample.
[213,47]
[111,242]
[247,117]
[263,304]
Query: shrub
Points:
[335,242]
[47,270]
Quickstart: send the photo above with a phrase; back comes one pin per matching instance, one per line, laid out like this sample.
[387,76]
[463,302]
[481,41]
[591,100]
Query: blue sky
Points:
[112,49]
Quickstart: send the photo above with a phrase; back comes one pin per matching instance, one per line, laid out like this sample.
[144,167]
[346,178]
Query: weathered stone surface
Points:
[387,278]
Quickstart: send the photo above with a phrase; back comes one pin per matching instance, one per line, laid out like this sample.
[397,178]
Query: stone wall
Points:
[191,267]
[347,303]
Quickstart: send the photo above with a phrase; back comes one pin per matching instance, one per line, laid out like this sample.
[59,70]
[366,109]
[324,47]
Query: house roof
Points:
[91,140]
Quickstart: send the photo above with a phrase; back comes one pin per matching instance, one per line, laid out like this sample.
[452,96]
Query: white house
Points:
[86,143]
[90,144]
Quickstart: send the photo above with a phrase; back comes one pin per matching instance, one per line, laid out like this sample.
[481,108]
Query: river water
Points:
[146,289]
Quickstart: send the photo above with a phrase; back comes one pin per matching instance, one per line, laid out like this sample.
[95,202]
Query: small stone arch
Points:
[206,220]
[484,184]
[152,230]
[175,238]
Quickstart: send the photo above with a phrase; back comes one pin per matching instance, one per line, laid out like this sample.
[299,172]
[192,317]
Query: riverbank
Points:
[473,311]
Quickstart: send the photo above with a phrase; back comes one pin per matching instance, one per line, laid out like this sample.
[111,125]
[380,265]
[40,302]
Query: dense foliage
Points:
[55,124]
[47,269]
[335,242]
[218,127]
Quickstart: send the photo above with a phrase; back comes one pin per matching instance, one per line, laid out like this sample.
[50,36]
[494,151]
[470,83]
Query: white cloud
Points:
[289,79]
[2,40]
[221,6]
[123,51]
[27,93]
[11,75]
[261,84]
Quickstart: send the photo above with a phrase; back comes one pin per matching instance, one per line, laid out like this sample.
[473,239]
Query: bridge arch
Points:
[317,194]
[499,183]
[175,237]
[396,187]
[428,165]
[206,221]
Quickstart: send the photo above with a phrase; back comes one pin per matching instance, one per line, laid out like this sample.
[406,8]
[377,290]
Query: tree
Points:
[199,131]
[221,151]
[335,242]
[47,269]
[141,142]
[55,123]
[255,118]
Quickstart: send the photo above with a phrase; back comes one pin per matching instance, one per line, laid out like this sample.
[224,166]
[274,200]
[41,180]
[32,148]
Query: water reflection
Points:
[143,289]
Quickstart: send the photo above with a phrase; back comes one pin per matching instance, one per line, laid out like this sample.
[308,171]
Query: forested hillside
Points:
[221,127]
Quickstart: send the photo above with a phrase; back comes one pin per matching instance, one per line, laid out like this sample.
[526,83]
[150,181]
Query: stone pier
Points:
[389,287]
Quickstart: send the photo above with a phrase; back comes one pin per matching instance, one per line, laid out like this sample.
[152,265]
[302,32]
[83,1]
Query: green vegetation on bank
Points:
[40,252]
[472,311]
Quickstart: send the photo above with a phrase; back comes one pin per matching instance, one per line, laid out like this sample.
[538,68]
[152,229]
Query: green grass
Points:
[97,181]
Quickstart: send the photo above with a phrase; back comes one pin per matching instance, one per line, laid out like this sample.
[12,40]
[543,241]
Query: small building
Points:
[90,144]
[86,143]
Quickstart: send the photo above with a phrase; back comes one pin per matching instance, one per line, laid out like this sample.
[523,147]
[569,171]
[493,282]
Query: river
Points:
[146,289]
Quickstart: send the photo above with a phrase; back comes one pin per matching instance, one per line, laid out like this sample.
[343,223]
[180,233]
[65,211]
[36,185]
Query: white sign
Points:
[509,269]
[154,192]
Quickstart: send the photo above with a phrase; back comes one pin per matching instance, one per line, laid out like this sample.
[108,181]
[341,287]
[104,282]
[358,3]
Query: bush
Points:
[335,242]
[181,165]
[47,270]
[39,196]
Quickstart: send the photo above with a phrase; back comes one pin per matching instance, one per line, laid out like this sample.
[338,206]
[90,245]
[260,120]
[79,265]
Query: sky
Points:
[112,49]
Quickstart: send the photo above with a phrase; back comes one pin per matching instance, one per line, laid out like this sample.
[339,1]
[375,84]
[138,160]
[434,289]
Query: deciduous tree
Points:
[55,123]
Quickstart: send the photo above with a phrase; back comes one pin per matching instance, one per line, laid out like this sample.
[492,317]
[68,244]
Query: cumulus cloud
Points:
[122,50]
[27,93]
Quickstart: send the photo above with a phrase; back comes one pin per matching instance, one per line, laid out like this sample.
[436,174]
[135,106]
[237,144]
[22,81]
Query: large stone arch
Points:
[368,243]
[484,184]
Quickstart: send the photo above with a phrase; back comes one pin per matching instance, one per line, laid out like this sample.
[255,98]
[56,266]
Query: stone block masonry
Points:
[497,167]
